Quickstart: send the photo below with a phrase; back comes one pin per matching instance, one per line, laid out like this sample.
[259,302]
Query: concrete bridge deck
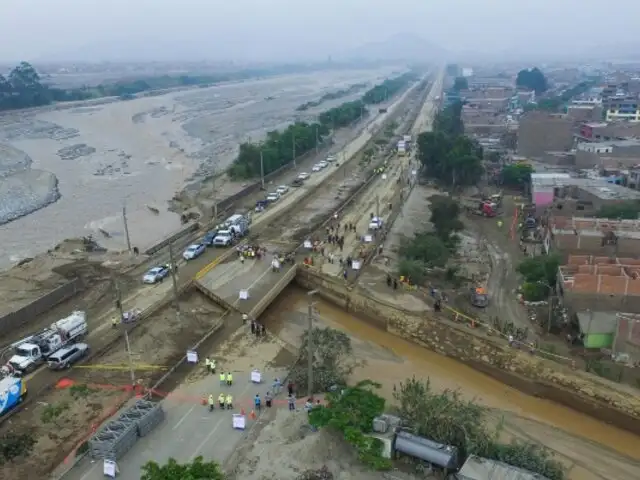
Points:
[224,283]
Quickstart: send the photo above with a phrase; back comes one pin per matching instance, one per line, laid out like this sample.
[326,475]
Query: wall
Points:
[571,244]
[15,319]
[542,199]
[172,238]
[533,375]
[539,132]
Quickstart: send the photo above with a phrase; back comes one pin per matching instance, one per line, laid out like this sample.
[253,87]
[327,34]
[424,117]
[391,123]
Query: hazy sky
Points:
[296,29]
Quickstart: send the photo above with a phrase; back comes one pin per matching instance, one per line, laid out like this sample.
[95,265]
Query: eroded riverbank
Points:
[589,448]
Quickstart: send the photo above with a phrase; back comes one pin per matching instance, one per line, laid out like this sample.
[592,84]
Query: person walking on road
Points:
[291,400]
[229,402]
[229,379]
[223,379]
[212,402]
[268,399]
[277,384]
[221,401]
[257,401]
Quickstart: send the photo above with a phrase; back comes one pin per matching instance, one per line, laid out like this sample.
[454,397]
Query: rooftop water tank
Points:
[444,456]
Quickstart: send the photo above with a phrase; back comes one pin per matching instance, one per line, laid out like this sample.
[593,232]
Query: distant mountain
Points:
[399,47]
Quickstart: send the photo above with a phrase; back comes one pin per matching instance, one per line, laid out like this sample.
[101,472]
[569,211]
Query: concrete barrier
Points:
[581,391]
[215,298]
[271,295]
[42,304]
[172,238]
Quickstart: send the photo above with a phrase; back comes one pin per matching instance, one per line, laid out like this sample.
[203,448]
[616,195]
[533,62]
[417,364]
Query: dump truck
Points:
[484,208]
[12,391]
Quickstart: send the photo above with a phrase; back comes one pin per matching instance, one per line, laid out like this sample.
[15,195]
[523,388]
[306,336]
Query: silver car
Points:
[67,356]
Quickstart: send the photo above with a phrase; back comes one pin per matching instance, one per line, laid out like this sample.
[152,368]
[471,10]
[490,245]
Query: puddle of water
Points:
[444,372]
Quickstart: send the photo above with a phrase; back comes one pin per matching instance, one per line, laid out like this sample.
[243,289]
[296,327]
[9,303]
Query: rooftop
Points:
[596,124]
[478,468]
[631,142]
[598,187]
[595,227]
[588,274]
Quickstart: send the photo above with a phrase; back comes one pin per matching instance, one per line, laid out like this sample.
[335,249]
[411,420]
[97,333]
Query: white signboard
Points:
[243,295]
[307,244]
[355,265]
[256,376]
[384,176]
[368,238]
[239,421]
[192,356]
[414,172]
[109,468]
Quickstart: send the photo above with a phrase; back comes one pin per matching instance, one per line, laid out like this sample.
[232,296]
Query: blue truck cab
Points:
[12,391]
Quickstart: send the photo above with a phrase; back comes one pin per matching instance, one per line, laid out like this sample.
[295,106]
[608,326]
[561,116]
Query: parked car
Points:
[67,356]
[331,158]
[303,175]
[273,197]
[298,182]
[282,189]
[193,251]
[323,164]
[156,274]
[209,236]
[375,223]
[316,168]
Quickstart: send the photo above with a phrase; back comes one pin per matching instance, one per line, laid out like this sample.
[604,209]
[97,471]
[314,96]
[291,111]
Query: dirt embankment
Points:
[612,403]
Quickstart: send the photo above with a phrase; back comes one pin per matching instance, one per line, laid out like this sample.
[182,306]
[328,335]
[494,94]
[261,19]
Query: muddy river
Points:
[589,448]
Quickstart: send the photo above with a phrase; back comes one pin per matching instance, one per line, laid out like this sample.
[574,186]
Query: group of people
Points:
[258,329]
[226,379]
[248,251]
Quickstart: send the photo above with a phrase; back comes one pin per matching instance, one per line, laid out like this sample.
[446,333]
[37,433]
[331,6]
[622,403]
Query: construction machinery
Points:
[479,297]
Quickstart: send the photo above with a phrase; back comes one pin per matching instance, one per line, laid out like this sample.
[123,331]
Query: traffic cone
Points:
[252,415]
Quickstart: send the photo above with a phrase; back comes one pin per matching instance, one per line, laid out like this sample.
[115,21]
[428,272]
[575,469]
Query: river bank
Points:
[139,153]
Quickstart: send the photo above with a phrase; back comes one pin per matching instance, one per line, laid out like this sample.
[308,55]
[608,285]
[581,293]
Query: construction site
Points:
[202,313]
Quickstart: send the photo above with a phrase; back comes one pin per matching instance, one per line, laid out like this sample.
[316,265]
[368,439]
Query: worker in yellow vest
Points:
[207,364]
[211,402]
[212,366]
[229,379]
[221,401]
[229,402]
[223,379]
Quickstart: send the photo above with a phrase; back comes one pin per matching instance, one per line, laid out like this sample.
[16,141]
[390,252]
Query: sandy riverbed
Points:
[138,153]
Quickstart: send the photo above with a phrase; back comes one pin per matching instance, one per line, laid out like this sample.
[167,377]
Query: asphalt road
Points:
[100,331]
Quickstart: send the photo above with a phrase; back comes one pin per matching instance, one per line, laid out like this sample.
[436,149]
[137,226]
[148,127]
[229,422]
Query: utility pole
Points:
[378,206]
[173,266]
[262,168]
[126,226]
[310,344]
[317,139]
[124,327]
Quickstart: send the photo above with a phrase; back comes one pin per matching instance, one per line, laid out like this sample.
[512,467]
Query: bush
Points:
[14,445]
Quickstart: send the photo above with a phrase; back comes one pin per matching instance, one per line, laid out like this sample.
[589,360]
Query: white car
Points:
[323,164]
[282,189]
[273,197]
[223,239]
[316,168]
[156,274]
[375,223]
[303,175]
[194,251]
[331,158]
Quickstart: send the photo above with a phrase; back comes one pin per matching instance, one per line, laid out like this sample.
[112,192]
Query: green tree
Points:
[426,248]
[332,359]
[460,83]
[447,418]
[445,212]
[539,275]
[532,79]
[14,445]
[516,174]
[351,411]
[198,469]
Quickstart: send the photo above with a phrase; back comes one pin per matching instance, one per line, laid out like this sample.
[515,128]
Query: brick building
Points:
[611,154]
[604,132]
[592,236]
[600,284]
[540,132]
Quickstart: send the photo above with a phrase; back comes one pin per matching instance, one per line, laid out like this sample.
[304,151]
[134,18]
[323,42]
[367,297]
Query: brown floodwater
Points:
[378,347]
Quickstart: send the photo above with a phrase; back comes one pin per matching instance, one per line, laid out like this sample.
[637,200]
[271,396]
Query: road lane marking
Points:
[184,417]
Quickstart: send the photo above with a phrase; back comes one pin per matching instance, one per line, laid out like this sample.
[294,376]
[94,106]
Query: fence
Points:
[46,302]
